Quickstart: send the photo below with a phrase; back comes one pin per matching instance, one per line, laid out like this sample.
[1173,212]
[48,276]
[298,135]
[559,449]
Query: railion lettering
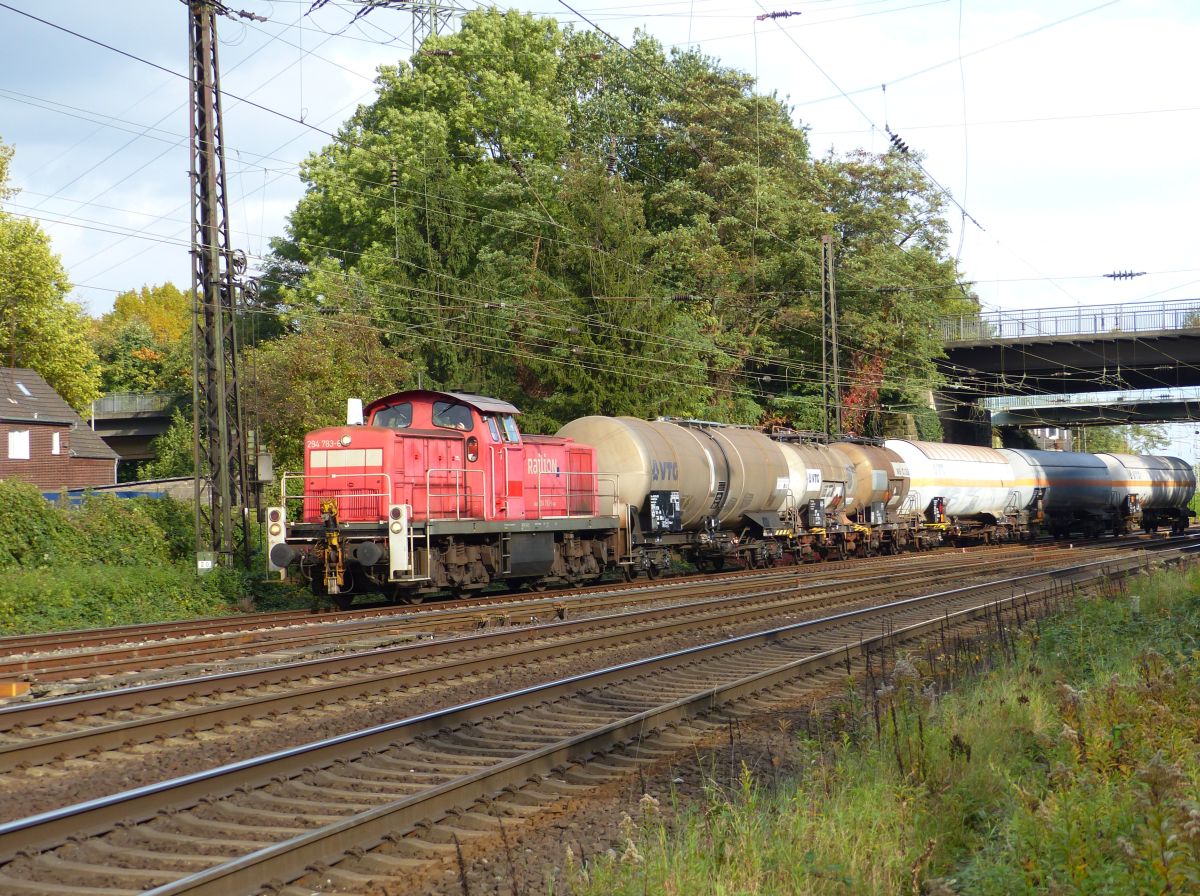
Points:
[538,465]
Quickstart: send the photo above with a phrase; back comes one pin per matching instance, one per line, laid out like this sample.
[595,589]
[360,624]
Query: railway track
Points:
[355,806]
[47,731]
[84,640]
[215,641]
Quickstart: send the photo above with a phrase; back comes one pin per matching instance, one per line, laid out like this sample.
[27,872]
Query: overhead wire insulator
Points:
[1125,275]
[899,144]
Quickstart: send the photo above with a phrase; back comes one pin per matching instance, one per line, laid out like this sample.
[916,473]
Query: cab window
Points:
[398,416]
[510,429]
[494,429]
[452,416]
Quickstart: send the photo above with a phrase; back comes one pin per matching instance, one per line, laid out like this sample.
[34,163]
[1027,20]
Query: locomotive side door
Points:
[505,468]
[512,469]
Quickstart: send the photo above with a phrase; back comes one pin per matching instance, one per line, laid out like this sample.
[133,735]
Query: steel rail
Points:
[292,858]
[209,625]
[216,625]
[50,829]
[58,709]
[46,668]
[57,667]
[597,634]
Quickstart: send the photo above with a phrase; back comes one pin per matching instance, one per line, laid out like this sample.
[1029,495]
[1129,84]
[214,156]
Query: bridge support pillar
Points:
[964,422]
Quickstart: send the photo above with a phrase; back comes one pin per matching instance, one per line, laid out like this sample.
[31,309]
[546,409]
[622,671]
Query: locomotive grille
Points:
[354,505]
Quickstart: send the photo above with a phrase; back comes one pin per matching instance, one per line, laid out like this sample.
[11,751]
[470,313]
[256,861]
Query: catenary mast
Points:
[221,479]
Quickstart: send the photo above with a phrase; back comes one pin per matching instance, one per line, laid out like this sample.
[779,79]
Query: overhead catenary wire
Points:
[301,122]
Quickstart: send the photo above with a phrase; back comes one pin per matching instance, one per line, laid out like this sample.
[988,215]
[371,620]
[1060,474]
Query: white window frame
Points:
[18,444]
[56,443]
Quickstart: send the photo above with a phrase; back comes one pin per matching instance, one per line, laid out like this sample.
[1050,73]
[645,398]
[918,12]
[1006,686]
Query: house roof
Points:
[27,398]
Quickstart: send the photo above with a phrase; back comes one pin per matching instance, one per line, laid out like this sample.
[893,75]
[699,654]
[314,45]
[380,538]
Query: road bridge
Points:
[1096,408]
[1146,345]
[1053,351]
[129,421]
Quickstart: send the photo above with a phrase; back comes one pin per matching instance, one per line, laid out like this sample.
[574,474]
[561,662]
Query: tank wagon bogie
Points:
[441,491]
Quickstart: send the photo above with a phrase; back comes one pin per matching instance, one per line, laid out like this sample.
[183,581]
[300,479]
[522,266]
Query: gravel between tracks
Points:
[75,780]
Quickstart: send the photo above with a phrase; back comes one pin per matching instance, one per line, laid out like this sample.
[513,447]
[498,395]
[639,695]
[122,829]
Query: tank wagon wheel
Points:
[652,571]
[342,601]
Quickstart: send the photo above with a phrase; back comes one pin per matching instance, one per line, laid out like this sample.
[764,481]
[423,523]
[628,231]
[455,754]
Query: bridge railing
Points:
[1128,396]
[1137,317]
[118,404]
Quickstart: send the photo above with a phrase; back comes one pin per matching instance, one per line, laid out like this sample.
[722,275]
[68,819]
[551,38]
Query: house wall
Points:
[52,471]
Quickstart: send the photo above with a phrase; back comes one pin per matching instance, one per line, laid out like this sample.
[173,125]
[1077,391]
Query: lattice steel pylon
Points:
[220,452]
[429,17]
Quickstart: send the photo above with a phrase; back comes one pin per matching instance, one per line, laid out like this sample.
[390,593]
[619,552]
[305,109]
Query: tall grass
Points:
[1073,769]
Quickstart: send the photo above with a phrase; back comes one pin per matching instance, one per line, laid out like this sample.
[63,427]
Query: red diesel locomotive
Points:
[441,490]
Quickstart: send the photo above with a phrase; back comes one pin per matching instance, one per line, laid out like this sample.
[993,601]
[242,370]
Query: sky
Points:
[1065,130]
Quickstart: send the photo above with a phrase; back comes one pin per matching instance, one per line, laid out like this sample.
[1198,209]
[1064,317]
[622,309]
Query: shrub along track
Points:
[231,829]
[150,733]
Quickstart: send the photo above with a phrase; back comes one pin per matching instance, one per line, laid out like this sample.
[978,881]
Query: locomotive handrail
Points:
[461,494]
[568,495]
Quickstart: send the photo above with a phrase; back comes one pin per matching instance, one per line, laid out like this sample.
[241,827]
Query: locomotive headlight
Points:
[344,440]
[397,527]
[275,529]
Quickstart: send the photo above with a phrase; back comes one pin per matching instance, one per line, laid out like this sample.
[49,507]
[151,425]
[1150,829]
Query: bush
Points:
[114,531]
[36,532]
[177,520]
[71,597]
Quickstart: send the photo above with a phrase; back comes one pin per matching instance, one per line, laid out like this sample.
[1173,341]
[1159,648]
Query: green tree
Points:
[174,450]
[533,213]
[39,328]
[301,381]
[144,343]
[1136,438]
